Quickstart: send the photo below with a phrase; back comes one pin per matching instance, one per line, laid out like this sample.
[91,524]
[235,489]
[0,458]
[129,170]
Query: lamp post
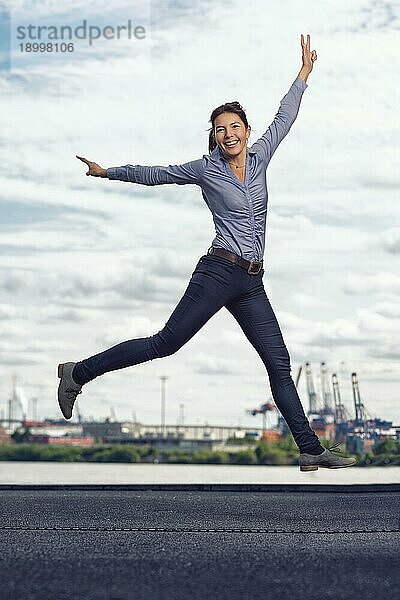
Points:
[163,379]
[181,417]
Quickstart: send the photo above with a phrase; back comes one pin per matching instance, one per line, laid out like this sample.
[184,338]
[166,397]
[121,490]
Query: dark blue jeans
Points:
[217,282]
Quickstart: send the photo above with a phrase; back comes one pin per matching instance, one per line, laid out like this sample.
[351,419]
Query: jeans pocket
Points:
[216,260]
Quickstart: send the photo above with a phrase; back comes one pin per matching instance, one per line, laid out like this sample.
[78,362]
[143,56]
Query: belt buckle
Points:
[250,266]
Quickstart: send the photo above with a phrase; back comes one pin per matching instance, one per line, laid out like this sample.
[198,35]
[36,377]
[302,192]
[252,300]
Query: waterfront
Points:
[40,472]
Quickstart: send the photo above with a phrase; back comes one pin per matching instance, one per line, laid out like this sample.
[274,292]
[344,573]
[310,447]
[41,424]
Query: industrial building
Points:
[329,417]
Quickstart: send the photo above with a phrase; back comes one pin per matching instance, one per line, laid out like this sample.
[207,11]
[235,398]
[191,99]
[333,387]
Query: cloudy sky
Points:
[87,263]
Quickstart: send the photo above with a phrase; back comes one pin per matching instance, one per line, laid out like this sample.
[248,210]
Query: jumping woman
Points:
[232,178]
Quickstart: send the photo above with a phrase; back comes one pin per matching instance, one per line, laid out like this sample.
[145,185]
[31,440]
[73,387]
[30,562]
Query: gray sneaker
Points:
[68,389]
[329,460]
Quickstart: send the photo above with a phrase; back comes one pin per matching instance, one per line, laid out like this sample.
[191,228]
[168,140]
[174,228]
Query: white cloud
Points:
[378,284]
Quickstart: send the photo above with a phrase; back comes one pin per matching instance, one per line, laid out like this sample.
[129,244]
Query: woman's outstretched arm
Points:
[190,172]
[266,145]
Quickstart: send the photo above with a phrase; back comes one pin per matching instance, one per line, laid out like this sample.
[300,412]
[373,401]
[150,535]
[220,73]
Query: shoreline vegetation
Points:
[282,452]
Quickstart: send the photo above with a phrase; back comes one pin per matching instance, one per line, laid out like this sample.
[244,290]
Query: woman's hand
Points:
[94,169]
[308,57]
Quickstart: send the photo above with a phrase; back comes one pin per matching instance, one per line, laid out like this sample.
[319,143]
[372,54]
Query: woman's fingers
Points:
[85,160]
[94,168]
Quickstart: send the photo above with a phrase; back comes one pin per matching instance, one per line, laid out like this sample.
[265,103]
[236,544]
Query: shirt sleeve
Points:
[266,145]
[190,172]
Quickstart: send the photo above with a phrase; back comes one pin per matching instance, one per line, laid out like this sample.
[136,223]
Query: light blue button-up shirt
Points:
[239,209]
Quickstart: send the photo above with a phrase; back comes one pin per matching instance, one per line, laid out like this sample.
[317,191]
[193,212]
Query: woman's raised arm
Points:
[288,110]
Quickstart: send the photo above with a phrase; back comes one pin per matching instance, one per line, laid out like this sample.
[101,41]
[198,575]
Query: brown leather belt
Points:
[253,267]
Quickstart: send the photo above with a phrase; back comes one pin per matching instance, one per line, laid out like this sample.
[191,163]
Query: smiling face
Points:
[231,133]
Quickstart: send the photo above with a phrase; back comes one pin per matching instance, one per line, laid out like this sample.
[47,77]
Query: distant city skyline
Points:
[21,405]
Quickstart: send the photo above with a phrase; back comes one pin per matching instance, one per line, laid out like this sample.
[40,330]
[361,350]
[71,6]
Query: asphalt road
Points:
[131,544]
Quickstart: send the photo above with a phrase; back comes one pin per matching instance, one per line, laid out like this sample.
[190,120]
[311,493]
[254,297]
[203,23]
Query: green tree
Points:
[244,457]
[270,454]
[21,434]
[209,457]
[388,446]
[117,454]
[287,444]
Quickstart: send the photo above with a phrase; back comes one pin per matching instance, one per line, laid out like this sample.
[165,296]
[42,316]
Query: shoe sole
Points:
[315,467]
[60,370]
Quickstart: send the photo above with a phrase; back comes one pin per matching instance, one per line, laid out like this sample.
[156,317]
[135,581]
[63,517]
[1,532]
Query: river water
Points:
[21,472]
